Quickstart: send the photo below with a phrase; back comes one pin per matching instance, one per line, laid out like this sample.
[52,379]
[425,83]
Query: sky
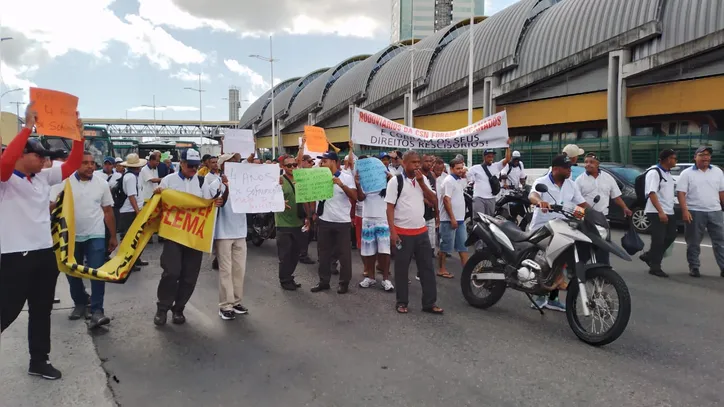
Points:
[118,56]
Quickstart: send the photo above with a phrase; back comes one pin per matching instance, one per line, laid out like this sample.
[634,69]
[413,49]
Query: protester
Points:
[133,203]
[229,243]
[93,208]
[406,211]
[514,172]
[573,152]
[164,160]
[385,158]
[180,264]
[306,161]
[700,191]
[204,169]
[453,234]
[28,268]
[148,177]
[561,191]
[432,213]
[395,167]
[482,176]
[659,210]
[108,172]
[334,227]
[214,172]
[119,165]
[290,223]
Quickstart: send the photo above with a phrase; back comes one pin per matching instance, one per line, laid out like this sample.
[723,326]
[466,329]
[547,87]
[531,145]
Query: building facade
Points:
[417,19]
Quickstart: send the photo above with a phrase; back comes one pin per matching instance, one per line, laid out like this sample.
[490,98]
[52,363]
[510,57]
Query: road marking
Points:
[705,245]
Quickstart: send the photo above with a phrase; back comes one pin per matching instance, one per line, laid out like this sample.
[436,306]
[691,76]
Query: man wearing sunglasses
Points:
[290,238]
[28,269]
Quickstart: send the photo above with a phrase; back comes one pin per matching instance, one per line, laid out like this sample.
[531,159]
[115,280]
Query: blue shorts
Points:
[375,237]
[453,240]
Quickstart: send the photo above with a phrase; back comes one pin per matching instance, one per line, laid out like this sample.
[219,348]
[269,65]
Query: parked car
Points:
[680,167]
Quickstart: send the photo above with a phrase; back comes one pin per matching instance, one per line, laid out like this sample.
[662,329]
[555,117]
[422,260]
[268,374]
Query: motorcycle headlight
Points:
[602,231]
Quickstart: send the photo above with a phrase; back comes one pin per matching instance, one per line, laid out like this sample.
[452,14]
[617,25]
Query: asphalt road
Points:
[304,349]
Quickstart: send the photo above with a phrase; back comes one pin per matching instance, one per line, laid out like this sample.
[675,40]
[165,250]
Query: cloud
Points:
[358,18]
[188,76]
[164,108]
[165,12]
[209,107]
[493,6]
[257,81]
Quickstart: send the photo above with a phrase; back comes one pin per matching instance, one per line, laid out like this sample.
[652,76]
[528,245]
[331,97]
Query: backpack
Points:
[117,192]
[640,186]
[494,181]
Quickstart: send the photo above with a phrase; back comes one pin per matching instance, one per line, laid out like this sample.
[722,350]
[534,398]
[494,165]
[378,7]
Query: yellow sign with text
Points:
[177,216]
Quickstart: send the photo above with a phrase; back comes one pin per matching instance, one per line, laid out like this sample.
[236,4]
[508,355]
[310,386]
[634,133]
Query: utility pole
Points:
[17,110]
[201,117]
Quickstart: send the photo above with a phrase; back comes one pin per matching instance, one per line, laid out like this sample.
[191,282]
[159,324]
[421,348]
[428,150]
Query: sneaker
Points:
[44,369]
[160,317]
[387,285]
[555,305]
[79,311]
[98,319]
[227,315]
[178,318]
[367,282]
[694,272]
[541,302]
[240,309]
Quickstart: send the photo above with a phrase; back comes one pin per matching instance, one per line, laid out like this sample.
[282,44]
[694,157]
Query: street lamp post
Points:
[271,61]
[17,112]
[201,111]
[155,126]
[470,77]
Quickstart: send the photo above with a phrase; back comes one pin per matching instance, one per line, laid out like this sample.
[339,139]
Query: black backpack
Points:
[494,181]
[640,186]
[117,192]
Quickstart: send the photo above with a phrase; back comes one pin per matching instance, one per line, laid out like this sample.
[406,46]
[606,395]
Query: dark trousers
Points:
[333,243]
[662,236]
[289,244]
[181,267]
[306,237]
[125,220]
[29,276]
[419,247]
[93,251]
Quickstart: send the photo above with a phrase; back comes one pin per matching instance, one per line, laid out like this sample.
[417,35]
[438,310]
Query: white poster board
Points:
[239,141]
[254,188]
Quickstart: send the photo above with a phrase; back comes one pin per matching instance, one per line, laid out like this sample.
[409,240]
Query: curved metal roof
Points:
[495,39]
[257,109]
[353,84]
[312,96]
[395,74]
[281,100]
[572,26]
[683,21]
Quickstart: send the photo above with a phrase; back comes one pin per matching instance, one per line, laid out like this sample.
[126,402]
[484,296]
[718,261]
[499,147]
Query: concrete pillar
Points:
[350,119]
[312,119]
[409,113]
[619,127]
[490,90]
[280,138]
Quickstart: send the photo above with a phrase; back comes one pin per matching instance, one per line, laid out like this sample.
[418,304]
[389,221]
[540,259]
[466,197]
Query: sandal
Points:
[446,274]
[433,310]
[401,309]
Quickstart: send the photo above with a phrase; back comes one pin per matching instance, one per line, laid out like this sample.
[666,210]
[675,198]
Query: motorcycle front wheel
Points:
[609,303]
[482,293]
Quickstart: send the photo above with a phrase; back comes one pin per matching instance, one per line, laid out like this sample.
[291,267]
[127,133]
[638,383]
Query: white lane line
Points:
[705,245]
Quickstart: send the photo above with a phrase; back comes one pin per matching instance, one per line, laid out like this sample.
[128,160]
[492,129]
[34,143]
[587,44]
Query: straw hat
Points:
[132,161]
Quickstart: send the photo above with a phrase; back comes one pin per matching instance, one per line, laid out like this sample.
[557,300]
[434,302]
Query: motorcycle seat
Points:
[513,231]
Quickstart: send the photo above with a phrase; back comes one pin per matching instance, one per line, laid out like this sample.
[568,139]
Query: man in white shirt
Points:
[561,191]
[405,197]
[148,177]
[700,190]
[108,173]
[596,183]
[513,175]
[334,227]
[395,167]
[229,243]
[119,166]
[28,268]
[133,203]
[452,217]
[659,210]
[481,175]
[180,264]
[93,207]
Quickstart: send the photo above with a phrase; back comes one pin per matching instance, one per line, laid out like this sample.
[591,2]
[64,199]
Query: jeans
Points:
[701,222]
[93,251]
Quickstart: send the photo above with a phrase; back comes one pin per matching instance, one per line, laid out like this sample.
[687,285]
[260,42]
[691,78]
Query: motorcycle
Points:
[514,203]
[538,262]
[260,227]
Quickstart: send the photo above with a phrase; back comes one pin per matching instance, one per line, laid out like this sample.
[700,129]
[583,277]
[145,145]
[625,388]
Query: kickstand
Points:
[535,304]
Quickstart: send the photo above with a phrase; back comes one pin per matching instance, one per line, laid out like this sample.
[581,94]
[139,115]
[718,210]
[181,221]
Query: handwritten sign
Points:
[254,188]
[372,175]
[316,138]
[313,184]
[56,113]
[239,141]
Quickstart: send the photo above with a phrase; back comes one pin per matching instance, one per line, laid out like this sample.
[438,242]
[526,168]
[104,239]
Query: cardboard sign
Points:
[254,188]
[313,184]
[372,174]
[316,138]
[239,141]
[57,113]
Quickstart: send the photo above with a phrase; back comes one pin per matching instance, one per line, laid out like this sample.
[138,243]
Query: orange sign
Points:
[316,139]
[56,113]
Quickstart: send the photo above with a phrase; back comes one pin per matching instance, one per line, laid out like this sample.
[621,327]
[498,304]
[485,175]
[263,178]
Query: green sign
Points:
[313,184]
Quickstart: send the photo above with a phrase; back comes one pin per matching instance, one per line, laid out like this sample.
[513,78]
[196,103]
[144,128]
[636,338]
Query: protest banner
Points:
[183,218]
[57,113]
[239,141]
[254,188]
[313,184]
[372,175]
[316,138]
[370,129]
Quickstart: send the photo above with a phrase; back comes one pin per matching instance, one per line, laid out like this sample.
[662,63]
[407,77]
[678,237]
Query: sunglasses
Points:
[291,165]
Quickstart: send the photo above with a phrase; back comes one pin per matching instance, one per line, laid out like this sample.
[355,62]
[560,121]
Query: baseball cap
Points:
[58,154]
[34,146]
[666,154]
[704,148]
[561,161]
[329,156]
[573,150]
[594,156]
[516,154]
[119,160]
[109,160]
[383,155]
[489,151]
[191,157]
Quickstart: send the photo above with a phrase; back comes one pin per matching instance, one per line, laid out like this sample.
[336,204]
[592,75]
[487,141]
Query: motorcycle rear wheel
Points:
[600,304]
[482,261]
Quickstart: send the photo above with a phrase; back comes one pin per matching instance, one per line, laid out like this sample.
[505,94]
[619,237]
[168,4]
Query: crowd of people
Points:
[419,216]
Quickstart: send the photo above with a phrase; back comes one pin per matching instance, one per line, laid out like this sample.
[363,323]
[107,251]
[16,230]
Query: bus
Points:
[123,146]
[173,147]
[97,141]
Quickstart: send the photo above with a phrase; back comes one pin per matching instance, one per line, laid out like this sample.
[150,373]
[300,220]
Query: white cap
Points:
[191,156]
[119,160]
[573,150]
[516,154]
